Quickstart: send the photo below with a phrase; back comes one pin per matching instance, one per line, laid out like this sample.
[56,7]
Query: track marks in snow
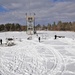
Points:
[34,58]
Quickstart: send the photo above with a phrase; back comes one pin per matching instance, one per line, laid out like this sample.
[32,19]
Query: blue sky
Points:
[47,11]
[2,9]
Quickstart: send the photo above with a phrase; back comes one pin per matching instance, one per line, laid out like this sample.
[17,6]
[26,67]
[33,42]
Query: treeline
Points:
[12,27]
[60,26]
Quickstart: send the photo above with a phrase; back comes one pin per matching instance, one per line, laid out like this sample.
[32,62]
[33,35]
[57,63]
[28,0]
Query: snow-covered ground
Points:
[31,57]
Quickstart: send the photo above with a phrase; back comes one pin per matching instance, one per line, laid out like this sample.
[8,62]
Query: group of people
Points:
[54,38]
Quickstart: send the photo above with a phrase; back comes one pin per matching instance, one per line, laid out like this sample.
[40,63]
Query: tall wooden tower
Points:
[30,22]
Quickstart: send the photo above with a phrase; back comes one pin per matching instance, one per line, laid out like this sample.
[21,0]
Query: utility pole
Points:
[34,24]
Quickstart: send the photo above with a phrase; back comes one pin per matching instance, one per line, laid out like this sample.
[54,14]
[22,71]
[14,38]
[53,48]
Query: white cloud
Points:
[46,10]
[13,6]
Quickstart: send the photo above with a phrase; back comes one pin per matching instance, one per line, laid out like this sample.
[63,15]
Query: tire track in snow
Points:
[59,61]
[55,58]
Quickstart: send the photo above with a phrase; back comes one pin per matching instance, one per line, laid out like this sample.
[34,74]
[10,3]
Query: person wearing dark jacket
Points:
[55,36]
[1,41]
[39,39]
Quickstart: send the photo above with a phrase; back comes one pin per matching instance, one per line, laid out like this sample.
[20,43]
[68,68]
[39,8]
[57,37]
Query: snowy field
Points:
[31,57]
